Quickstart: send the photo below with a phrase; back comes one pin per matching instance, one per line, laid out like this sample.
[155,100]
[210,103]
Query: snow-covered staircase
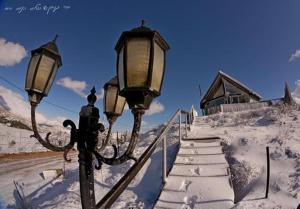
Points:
[199,178]
[198,121]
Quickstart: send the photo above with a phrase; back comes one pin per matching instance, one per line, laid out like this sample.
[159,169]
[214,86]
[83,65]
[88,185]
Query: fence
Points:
[18,140]
[236,107]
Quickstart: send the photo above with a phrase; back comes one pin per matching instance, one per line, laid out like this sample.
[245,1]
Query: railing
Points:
[235,107]
[273,101]
[122,184]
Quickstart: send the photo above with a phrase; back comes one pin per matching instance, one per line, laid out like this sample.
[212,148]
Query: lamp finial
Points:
[93,90]
[92,97]
[55,38]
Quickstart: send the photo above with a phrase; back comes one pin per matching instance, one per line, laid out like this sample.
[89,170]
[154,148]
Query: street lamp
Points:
[140,71]
[140,65]
[41,72]
[113,102]
[42,69]
[113,105]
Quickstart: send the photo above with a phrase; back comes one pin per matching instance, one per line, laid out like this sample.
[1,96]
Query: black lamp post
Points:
[140,71]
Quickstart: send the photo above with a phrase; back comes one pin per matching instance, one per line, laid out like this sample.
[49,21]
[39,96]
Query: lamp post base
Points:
[86,178]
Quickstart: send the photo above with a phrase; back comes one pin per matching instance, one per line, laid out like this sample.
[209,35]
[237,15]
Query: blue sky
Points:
[249,40]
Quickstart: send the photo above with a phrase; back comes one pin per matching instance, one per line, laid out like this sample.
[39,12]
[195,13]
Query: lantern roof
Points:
[142,31]
[50,47]
[111,82]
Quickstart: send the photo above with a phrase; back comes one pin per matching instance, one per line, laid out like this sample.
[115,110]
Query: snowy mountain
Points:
[14,103]
[15,124]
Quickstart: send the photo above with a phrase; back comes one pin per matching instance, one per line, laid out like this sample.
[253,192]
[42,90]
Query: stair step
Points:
[178,183]
[200,171]
[201,151]
[201,159]
[205,138]
[201,124]
[186,190]
[200,144]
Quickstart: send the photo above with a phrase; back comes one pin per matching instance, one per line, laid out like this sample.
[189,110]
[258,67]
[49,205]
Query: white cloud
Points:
[79,87]
[155,107]
[101,95]
[11,53]
[294,56]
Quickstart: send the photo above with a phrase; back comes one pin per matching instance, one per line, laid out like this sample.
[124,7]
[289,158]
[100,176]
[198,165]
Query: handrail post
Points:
[180,127]
[190,120]
[164,160]
[268,172]
[186,125]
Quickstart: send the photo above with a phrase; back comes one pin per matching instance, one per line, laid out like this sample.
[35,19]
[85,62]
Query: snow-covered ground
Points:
[64,193]
[246,135]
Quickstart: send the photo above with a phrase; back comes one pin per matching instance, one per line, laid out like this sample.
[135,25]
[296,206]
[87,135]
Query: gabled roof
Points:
[231,80]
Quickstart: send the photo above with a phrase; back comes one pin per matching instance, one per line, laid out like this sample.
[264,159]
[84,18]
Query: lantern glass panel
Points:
[31,70]
[110,98]
[138,54]
[121,68]
[43,73]
[51,79]
[120,105]
[158,67]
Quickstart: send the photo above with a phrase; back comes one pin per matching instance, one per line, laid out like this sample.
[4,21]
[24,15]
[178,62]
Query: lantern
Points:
[141,56]
[42,70]
[113,102]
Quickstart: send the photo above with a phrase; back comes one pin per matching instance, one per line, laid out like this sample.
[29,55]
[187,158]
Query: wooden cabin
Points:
[226,90]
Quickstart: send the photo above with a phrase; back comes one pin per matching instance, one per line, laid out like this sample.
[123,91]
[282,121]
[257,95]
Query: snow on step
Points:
[193,144]
[199,178]
[202,192]
[201,159]
[201,123]
[197,171]
[203,139]
[201,151]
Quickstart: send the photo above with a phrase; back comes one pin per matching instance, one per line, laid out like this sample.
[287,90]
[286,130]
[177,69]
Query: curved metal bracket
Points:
[46,143]
[105,142]
[128,155]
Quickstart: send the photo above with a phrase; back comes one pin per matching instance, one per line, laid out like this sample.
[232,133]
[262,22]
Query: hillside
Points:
[15,125]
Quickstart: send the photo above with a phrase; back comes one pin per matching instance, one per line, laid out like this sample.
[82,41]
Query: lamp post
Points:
[140,71]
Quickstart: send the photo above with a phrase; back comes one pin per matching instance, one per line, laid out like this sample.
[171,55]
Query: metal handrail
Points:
[122,184]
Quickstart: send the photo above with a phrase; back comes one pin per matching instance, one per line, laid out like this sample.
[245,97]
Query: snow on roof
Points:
[221,73]
[241,84]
